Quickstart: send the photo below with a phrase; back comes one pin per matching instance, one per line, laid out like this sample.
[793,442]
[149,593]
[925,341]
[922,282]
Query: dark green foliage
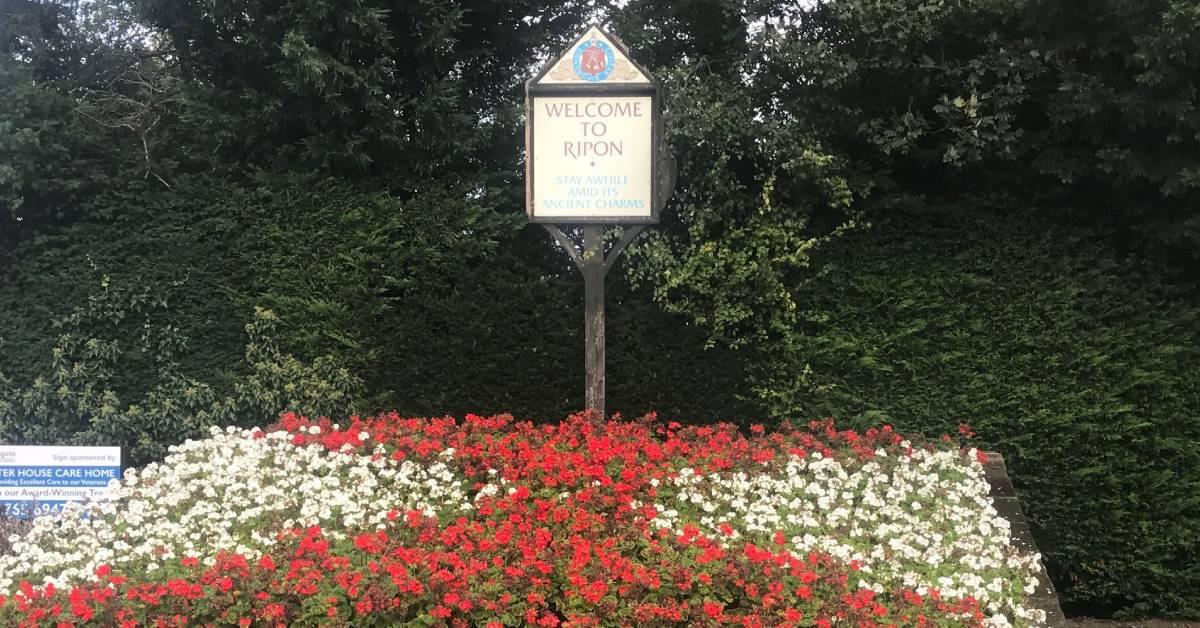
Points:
[757,189]
[1086,110]
[1083,372]
[434,304]
[443,307]
[346,87]
[338,263]
[503,340]
[355,168]
[184,246]
[74,396]
[846,112]
[743,233]
[909,84]
[81,100]
[1113,126]
[48,163]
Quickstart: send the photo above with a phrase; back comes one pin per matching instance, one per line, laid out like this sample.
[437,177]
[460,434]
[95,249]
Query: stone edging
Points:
[1004,497]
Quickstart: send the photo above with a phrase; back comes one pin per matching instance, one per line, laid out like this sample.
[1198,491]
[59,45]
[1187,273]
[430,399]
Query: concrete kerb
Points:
[1005,499]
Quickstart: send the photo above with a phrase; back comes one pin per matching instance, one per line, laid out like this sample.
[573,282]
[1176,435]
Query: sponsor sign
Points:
[39,480]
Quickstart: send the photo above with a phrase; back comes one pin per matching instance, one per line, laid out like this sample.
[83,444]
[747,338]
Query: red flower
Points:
[573,543]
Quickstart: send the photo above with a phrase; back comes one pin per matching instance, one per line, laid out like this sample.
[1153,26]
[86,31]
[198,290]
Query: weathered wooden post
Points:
[593,316]
[593,136]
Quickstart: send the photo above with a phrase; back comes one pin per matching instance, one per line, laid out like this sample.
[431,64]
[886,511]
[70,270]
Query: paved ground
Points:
[1152,623]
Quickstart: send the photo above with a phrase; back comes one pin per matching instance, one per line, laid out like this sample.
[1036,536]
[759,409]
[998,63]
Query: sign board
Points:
[592,134]
[39,480]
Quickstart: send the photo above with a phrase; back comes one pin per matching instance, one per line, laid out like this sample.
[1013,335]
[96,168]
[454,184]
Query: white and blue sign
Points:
[40,480]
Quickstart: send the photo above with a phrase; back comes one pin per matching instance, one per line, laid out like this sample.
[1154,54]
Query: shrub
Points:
[392,521]
[77,396]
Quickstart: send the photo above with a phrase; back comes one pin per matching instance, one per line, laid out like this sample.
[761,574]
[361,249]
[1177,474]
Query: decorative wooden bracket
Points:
[568,245]
[575,249]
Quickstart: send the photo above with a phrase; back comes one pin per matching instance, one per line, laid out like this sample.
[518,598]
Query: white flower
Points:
[902,518]
[217,494]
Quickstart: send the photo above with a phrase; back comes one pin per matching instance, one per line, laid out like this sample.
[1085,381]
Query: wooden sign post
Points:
[593,137]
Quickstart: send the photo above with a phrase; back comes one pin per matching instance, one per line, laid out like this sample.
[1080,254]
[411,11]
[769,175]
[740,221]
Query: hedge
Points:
[1080,367]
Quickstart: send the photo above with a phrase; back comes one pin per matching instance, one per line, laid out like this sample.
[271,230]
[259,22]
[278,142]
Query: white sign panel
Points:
[39,480]
[592,127]
[592,156]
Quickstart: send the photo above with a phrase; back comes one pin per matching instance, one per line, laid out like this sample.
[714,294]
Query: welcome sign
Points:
[592,136]
[593,156]
[39,480]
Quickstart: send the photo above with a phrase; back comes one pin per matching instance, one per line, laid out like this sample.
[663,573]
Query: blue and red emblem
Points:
[593,60]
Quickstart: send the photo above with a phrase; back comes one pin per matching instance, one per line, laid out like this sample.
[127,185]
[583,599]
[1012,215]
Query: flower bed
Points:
[487,522]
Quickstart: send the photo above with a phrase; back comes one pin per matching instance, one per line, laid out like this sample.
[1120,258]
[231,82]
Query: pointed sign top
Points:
[594,58]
